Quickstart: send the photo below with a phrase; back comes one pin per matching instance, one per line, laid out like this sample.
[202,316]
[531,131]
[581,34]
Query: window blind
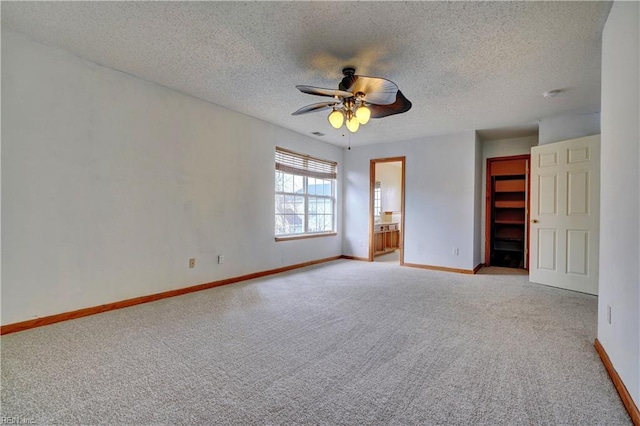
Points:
[305,165]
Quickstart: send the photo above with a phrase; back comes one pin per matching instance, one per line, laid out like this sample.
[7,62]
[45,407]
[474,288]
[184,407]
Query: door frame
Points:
[488,203]
[372,183]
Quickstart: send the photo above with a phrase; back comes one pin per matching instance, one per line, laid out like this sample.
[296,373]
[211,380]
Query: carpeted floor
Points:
[344,343]
[393,257]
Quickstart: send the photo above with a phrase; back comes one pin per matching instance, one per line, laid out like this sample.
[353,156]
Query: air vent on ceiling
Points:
[317,133]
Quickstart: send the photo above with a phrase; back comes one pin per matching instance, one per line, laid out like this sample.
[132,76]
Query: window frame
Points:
[377,200]
[307,167]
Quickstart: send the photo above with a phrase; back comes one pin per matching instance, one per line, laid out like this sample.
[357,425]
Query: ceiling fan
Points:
[357,99]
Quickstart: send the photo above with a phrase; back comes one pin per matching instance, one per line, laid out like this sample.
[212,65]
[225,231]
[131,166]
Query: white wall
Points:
[564,127]
[620,198]
[390,177]
[110,184]
[439,198]
[493,149]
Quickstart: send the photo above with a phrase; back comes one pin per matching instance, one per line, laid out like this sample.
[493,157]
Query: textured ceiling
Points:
[463,65]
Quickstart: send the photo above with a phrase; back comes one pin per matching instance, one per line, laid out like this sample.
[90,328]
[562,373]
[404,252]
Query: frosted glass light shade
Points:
[363,114]
[336,118]
[353,124]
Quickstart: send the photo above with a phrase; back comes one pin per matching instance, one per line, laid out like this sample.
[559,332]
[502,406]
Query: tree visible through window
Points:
[304,194]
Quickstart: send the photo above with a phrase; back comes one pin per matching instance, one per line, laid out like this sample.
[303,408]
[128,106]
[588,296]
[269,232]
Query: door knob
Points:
[534,220]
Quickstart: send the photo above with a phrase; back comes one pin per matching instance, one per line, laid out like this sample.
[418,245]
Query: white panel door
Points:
[565,214]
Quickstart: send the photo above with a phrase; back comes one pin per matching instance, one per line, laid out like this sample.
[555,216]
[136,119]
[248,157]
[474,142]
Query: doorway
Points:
[386,210]
[507,213]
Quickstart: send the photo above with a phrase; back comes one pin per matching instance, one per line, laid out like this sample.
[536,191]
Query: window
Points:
[377,201]
[305,189]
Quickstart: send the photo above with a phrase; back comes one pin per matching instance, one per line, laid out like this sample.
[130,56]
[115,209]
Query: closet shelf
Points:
[510,204]
[514,249]
[514,185]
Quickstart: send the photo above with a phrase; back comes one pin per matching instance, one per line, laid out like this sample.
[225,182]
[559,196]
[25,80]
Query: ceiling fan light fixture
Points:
[363,114]
[336,118]
[357,99]
[353,124]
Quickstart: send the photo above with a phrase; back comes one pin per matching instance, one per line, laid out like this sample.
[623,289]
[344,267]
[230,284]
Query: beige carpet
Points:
[344,343]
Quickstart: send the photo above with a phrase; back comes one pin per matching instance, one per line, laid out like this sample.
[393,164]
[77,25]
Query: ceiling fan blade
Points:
[378,91]
[316,107]
[324,92]
[400,105]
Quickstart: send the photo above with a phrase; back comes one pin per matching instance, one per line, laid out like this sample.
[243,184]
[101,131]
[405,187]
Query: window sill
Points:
[305,236]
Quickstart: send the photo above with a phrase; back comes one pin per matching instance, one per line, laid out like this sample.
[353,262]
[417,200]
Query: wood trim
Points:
[364,259]
[402,214]
[625,396]
[487,215]
[477,268]
[444,268]
[306,236]
[388,159]
[65,316]
[372,185]
[527,215]
[511,157]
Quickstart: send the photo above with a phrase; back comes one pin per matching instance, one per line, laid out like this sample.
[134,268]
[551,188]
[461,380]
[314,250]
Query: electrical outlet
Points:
[609,314]
[456,251]
[192,262]
[220,259]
